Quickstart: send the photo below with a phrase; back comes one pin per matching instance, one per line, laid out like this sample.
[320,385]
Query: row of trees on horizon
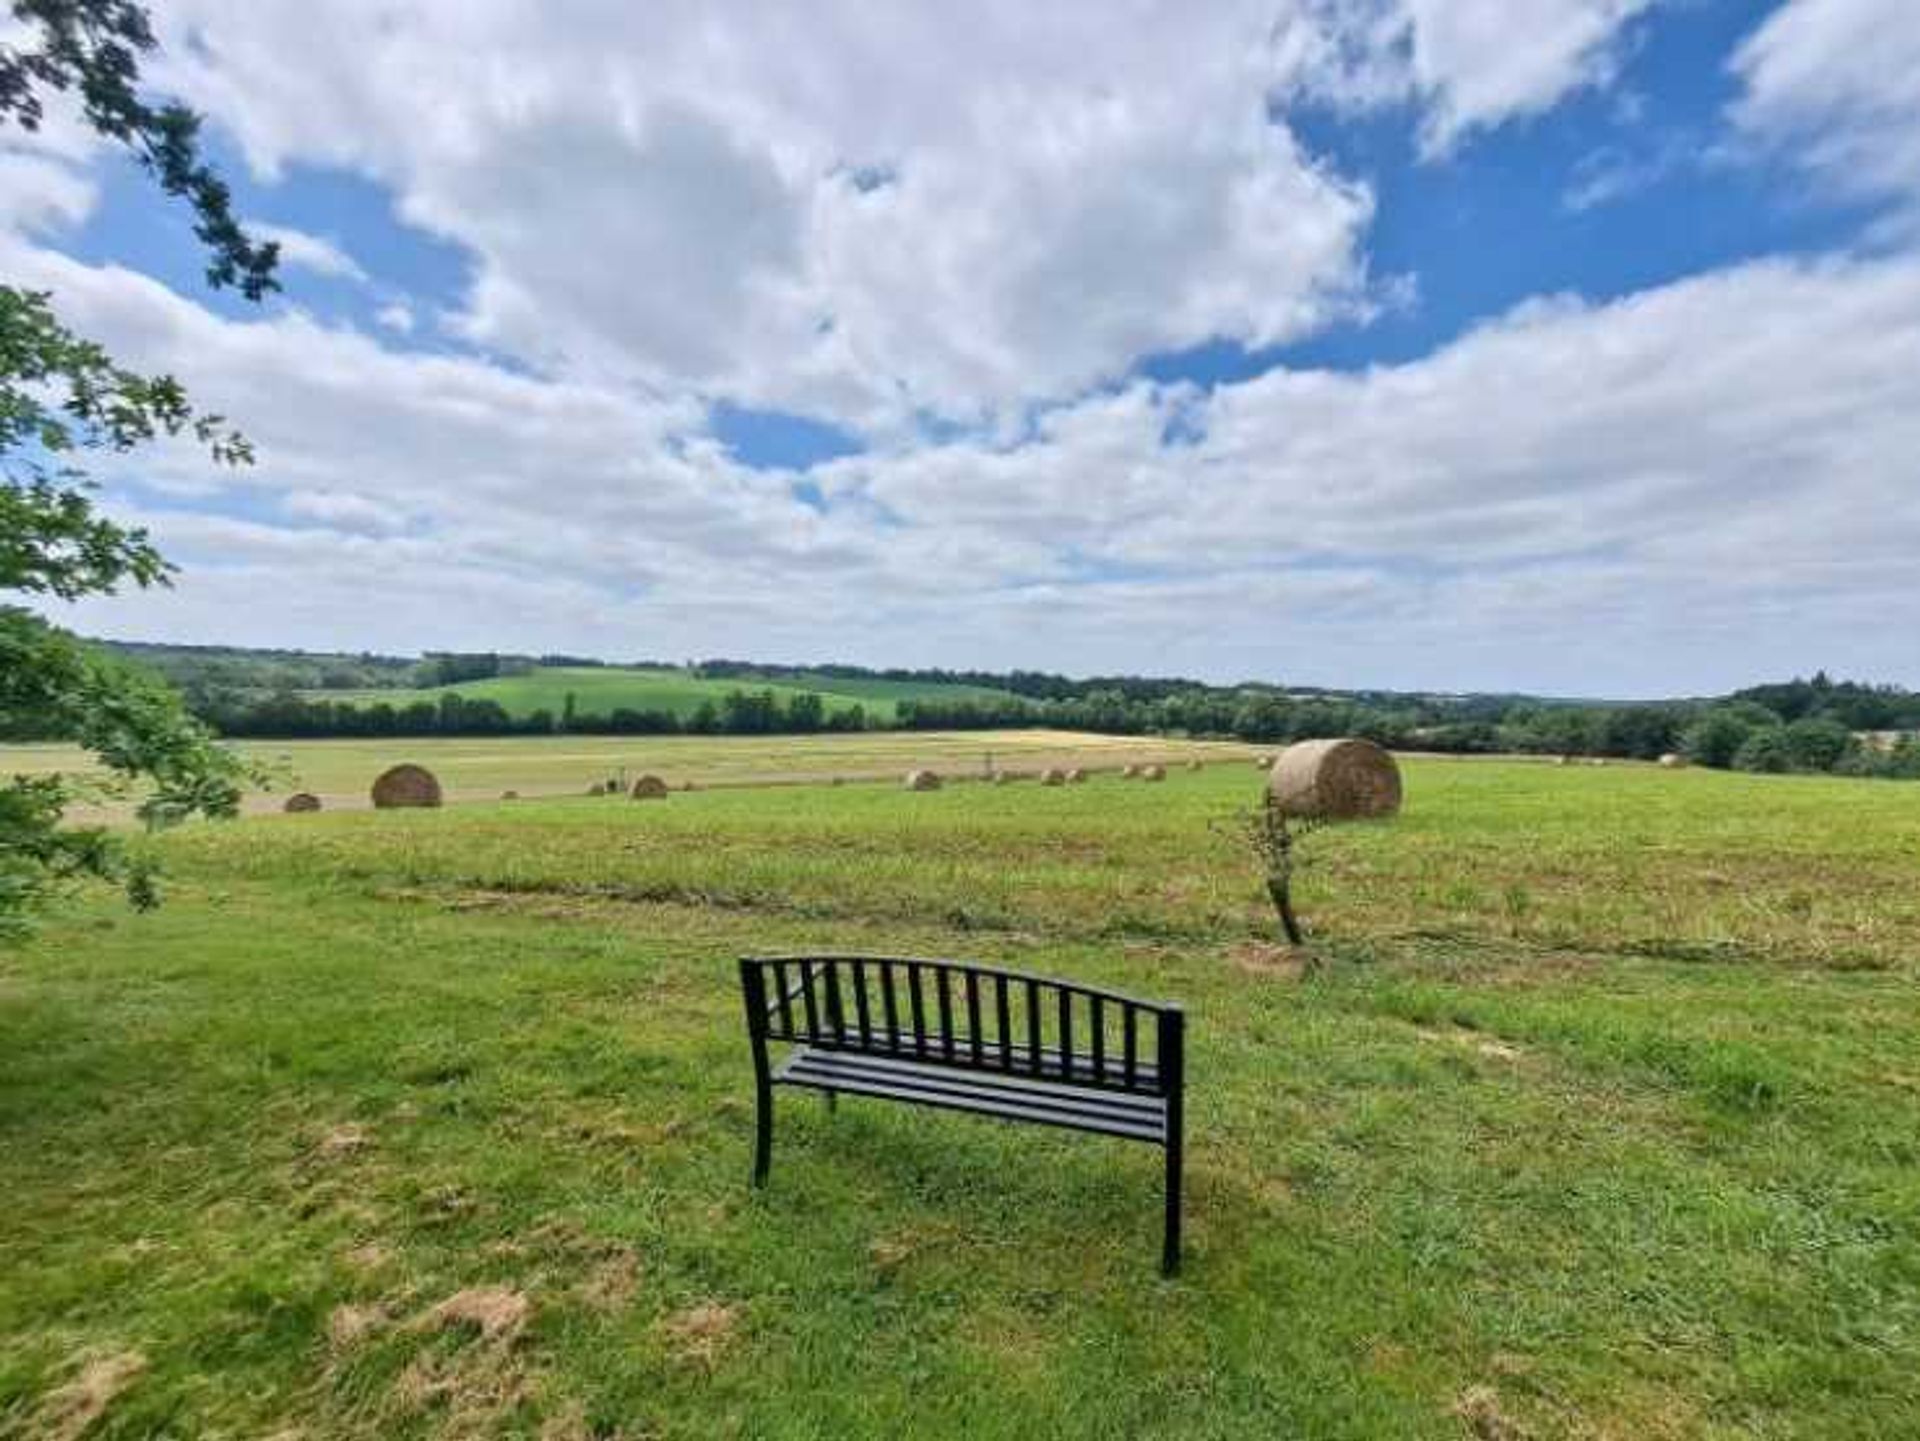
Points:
[1800,726]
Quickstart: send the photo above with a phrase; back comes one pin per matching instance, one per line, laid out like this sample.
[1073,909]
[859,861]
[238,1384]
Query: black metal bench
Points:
[970,1038]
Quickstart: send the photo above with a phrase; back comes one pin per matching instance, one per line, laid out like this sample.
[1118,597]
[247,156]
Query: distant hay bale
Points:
[1076,776]
[1153,773]
[1265,763]
[1195,763]
[1673,761]
[1597,761]
[1000,778]
[596,789]
[405,785]
[1129,771]
[649,788]
[1563,760]
[509,795]
[921,781]
[301,803]
[1053,776]
[1335,780]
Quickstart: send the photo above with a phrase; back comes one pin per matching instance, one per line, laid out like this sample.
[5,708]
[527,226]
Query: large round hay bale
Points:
[1335,780]
[921,781]
[301,803]
[1053,776]
[1076,776]
[1673,761]
[649,788]
[1153,773]
[405,785]
[1129,771]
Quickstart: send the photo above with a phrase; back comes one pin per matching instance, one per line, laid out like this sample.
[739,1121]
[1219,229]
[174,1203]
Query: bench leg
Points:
[762,1133]
[1170,1246]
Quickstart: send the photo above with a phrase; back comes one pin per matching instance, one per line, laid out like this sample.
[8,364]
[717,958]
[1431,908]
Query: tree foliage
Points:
[62,396]
[92,49]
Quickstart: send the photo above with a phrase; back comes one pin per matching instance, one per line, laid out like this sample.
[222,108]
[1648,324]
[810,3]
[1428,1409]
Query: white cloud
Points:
[397,316]
[667,199]
[308,252]
[1837,84]
[1691,487]
[1470,64]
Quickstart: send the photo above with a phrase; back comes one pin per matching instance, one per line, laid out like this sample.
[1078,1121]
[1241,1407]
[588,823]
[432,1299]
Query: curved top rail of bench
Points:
[934,963]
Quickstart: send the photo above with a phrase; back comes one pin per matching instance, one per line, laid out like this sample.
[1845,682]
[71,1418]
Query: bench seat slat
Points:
[1143,1119]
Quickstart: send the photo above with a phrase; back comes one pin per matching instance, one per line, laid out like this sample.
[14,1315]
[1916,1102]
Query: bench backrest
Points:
[977,1018]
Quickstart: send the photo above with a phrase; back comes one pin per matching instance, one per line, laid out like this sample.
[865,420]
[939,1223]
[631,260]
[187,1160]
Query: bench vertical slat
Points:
[811,1006]
[973,1015]
[889,1005]
[1033,1027]
[836,1008]
[861,1013]
[919,1010]
[1097,1027]
[1003,1015]
[1130,1024]
[1066,1032]
[946,1012]
[786,999]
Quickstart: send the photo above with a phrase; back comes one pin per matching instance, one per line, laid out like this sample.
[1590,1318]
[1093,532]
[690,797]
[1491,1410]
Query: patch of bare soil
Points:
[700,1334]
[71,1409]
[1479,1408]
[1270,960]
[343,1140]
[1477,1042]
[497,1313]
[349,1324]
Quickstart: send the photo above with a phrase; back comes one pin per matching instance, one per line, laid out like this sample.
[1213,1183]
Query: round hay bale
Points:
[921,781]
[1000,778]
[301,803]
[1563,760]
[1264,763]
[509,795]
[649,788]
[1597,761]
[1076,776]
[1153,773]
[596,789]
[1053,776]
[405,785]
[1195,764]
[1335,780]
[1129,771]
[1673,761]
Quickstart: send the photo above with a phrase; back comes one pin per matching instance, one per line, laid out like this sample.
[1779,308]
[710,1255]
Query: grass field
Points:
[1599,1116]
[342,772]
[599,690]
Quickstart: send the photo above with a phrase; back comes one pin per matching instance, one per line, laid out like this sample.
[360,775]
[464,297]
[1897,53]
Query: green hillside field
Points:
[600,690]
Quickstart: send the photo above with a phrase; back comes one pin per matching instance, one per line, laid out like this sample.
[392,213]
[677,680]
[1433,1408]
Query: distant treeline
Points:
[1800,725]
[293,717]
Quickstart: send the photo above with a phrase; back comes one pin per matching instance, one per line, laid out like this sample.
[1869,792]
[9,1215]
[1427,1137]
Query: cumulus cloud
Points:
[1588,497]
[1836,85]
[884,215]
[1468,64]
[308,252]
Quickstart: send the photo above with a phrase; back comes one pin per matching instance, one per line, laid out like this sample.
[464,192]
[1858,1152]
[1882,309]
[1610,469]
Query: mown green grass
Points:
[600,690]
[1601,1116]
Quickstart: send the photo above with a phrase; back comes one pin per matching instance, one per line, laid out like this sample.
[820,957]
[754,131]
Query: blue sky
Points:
[1389,342]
